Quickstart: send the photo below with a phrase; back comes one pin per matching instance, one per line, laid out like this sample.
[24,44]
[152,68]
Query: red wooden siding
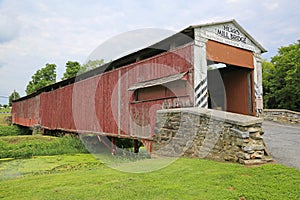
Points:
[56,109]
[26,113]
[102,103]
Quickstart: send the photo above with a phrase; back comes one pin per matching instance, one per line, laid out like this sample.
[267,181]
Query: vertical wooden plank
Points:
[55,108]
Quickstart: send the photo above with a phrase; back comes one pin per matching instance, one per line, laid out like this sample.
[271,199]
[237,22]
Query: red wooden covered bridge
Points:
[216,65]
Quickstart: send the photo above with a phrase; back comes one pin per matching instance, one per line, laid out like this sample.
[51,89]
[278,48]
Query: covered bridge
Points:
[215,65]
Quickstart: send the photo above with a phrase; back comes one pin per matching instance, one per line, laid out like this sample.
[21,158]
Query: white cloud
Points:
[273,6]
[39,32]
[2,64]
[9,28]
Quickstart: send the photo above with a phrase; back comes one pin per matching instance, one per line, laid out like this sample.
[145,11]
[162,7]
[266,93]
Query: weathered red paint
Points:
[219,52]
[26,113]
[102,103]
[119,103]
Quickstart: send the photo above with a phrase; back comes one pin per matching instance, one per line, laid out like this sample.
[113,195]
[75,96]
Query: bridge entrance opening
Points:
[230,78]
[230,89]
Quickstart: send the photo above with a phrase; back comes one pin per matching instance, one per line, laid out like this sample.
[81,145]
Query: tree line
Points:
[47,76]
[281,77]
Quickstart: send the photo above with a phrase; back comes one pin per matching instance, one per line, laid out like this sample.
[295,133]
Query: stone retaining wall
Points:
[282,115]
[213,134]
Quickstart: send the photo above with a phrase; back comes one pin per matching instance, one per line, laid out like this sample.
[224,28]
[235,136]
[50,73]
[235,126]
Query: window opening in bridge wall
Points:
[169,90]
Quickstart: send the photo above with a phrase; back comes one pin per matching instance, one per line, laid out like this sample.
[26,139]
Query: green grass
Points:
[2,119]
[81,176]
[27,146]
[13,168]
[183,179]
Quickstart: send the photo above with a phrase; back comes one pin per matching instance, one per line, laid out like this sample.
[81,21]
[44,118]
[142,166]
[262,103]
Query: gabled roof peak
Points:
[236,24]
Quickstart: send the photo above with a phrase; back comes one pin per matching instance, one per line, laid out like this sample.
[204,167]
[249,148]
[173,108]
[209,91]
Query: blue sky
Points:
[36,32]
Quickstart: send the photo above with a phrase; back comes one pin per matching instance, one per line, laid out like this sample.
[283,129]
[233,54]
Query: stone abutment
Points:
[211,134]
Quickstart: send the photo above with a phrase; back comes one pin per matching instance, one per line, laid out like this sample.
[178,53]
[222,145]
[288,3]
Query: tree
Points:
[72,69]
[14,95]
[91,64]
[43,77]
[281,78]
[268,76]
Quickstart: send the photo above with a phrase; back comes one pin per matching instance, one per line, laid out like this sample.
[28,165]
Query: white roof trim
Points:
[237,25]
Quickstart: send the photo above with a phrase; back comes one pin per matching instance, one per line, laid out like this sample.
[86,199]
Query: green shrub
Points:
[14,130]
[5,110]
[3,118]
[27,146]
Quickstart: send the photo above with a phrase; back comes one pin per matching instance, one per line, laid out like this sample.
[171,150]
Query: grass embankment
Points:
[13,131]
[79,177]
[16,142]
[27,146]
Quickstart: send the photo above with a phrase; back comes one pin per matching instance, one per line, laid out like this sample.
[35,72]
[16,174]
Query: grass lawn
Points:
[16,168]
[81,176]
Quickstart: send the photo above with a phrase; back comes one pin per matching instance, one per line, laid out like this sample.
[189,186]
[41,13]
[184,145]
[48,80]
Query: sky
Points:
[36,32]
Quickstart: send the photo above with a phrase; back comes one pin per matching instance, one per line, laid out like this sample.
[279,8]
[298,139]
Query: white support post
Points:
[258,88]
[200,73]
